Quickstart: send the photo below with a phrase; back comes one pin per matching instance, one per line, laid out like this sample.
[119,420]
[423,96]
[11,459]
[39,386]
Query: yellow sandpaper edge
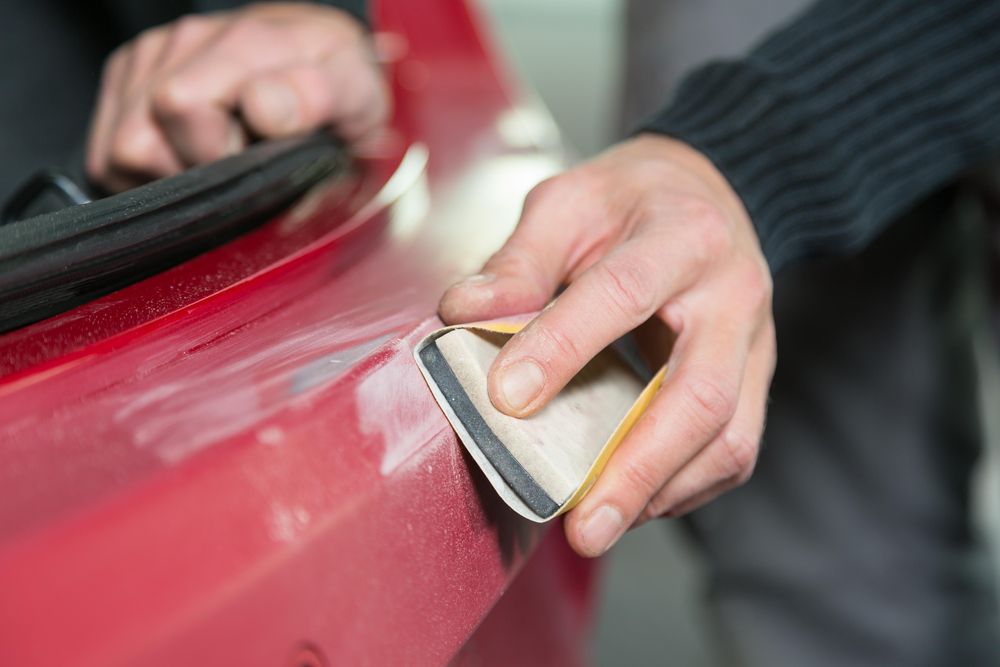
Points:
[624,426]
[623,429]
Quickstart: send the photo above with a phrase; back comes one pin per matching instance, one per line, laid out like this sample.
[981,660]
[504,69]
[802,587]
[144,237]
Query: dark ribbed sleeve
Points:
[843,120]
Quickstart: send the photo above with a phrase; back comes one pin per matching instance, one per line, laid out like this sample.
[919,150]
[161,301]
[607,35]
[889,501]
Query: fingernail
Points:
[476,280]
[520,383]
[278,102]
[601,530]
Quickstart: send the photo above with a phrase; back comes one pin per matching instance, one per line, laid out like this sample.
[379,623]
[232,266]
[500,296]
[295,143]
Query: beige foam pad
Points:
[558,445]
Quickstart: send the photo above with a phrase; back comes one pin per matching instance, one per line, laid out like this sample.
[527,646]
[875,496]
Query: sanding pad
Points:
[544,464]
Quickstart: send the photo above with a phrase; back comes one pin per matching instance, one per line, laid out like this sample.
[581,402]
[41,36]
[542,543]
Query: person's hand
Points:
[200,88]
[648,229]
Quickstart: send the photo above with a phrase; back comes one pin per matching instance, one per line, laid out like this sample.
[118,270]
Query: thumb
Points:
[524,274]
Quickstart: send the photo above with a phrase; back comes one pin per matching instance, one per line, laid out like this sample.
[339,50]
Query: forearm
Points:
[846,118]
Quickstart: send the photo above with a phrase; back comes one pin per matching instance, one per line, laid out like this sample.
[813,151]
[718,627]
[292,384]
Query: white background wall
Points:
[570,52]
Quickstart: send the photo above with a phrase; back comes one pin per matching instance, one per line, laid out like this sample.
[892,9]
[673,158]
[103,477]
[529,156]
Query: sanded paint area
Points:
[237,461]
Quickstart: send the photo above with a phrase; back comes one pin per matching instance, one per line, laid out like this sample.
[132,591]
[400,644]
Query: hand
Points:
[648,229]
[199,88]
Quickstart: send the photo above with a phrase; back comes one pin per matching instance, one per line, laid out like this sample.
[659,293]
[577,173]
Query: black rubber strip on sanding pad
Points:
[523,484]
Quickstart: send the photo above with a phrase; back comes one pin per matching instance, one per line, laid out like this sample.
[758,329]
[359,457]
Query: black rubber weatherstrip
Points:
[53,262]
[523,484]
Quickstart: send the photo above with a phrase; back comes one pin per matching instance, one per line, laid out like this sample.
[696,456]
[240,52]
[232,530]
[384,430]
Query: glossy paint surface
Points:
[237,461]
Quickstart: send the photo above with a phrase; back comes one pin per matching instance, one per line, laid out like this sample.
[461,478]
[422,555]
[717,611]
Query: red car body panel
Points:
[236,461]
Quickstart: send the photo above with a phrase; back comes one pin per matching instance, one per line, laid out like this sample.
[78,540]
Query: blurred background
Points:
[600,75]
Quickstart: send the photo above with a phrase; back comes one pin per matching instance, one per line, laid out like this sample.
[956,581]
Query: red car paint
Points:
[236,462]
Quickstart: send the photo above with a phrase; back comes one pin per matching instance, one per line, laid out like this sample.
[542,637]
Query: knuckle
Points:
[148,35]
[658,505]
[755,285]
[94,167]
[628,287]
[638,475]
[188,28]
[174,98]
[117,59]
[128,150]
[514,260]
[740,453]
[247,25]
[542,191]
[710,225]
[368,98]
[342,21]
[557,344]
[713,240]
[648,513]
[245,29]
[709,401]
[572,183]
[705,211]
[338,30]
[114,67]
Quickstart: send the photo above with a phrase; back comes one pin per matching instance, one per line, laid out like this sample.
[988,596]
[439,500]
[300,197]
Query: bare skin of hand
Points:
[198,89]
[648,229]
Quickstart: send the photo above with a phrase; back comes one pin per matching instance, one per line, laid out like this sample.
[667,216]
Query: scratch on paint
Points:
[395,403]
[287,523]
[179,418]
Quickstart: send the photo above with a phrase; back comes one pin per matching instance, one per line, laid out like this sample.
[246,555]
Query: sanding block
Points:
[542,465]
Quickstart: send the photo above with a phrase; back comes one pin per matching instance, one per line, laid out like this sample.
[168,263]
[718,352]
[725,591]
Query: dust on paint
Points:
[287,523]
[395,403]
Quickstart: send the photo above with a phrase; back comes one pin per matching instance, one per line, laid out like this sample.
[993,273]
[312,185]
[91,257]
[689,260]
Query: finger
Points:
[146,55]
[106,111]
[612,297]
[390,47]
[134,62]
[694,502]
[138,152]
[132,147]
[194,105]
[187,37]
[729,460]
[523,275]
[344,92]
[696,402]
[194,108]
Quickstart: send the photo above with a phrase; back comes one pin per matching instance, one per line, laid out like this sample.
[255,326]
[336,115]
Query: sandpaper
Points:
[541,465]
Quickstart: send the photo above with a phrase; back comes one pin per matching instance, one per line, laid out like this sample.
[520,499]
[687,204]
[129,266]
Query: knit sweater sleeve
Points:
[840,122]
